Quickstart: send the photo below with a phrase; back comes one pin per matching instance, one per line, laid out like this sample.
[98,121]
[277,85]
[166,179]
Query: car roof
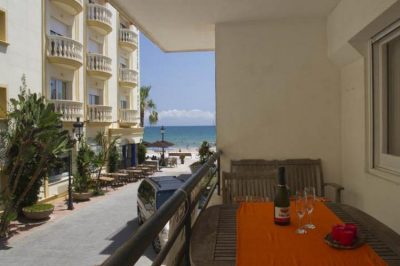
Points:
[164,183]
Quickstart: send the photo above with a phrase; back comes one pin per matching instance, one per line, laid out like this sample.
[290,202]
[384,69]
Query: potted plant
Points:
[204,153]
[81,180]
[81,187]
[33,143]
[38,211]
[182,157]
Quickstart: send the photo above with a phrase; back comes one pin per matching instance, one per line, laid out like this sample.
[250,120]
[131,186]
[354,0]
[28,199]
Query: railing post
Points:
[188,231]
[219,175]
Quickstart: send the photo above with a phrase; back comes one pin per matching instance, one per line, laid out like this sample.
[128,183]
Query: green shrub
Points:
[205,152]
[39,207]
[113,158]
[141,152]
[33,143]
[84,161]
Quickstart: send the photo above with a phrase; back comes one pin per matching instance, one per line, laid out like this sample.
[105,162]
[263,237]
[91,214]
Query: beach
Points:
[186,139]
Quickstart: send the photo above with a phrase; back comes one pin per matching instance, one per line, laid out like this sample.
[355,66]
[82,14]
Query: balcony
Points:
[128,39]
[99,18]
[128,117]
[99,113]
[64,51]
[72,7]
[127,78]
[70,110]
[99,66]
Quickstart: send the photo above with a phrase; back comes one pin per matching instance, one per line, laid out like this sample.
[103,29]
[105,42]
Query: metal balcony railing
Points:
[178,209]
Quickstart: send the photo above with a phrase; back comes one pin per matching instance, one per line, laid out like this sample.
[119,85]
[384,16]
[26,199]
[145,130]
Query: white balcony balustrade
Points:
[99,18]
[99,66]
[128,77]
[64,51]
[99,113]
[127,116]
[72,7]
[128,39]
[70,110]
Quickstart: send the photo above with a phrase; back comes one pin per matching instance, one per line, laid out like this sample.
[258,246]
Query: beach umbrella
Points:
[146,143]
[161,144]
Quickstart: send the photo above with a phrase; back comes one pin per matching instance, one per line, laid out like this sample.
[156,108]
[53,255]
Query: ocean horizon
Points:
[184,137]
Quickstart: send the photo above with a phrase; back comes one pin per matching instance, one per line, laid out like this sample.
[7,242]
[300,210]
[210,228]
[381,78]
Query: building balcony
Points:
[128,117]
[128,78]
[64,51]
[99,66]
[128,39]
[99,113]
[99,18]
[70,110]
[72,7]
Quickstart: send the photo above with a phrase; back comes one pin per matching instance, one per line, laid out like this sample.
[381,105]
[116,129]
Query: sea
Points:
[184,137]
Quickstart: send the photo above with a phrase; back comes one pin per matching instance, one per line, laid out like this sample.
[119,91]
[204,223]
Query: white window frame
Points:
[68,89]
[380,163]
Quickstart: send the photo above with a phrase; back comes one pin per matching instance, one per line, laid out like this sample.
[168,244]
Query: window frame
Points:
[5,89]
[381,164]
[68,89]
[4,41]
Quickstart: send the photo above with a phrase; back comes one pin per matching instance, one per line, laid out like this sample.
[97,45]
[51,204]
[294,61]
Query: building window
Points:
[386,101]
[3,26]
[56,173]
[124,104]
[59,89]
[94,99]
[3,102]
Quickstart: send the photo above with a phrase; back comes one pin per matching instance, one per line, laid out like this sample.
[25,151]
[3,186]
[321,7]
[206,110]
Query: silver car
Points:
[152,194]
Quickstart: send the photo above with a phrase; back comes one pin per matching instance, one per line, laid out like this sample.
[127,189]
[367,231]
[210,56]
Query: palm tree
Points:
[147,104]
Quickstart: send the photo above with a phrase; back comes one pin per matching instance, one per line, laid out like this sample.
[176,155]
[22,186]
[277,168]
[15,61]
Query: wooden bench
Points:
[300,173]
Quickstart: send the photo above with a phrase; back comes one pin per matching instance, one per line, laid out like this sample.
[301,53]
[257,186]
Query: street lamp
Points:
[162,130]
[77,136]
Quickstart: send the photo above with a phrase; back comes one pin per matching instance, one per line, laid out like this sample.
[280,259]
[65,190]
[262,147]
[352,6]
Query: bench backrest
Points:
[244,187]
[300,173]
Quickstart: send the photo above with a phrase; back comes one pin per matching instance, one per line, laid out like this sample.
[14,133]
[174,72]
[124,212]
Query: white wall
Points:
[23,55]
[112,44]
[369,192]
[277,93]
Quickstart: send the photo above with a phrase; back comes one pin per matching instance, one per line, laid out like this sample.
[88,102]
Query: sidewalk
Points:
[85,236]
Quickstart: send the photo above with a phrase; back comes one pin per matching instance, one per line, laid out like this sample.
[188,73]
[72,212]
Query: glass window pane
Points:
[393,97]
[53,90]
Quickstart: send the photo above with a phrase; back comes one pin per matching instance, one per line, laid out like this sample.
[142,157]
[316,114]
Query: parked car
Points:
[153,192]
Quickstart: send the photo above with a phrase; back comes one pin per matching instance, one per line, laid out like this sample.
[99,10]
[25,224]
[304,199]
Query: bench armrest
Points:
[338,188]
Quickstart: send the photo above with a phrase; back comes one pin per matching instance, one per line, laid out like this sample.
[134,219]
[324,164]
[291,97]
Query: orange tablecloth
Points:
[261,242]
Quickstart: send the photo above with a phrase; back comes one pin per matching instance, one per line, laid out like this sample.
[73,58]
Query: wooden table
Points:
[120,178]
[146,170]
[134,175]
[137,172]
[213,239]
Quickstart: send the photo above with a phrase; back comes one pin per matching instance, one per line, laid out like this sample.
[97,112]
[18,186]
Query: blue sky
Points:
[182,84]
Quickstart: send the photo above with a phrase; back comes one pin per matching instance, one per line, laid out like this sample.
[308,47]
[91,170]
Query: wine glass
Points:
[300,210]
[309,193]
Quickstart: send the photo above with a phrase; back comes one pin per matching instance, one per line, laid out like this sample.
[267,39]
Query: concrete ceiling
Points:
[186,25]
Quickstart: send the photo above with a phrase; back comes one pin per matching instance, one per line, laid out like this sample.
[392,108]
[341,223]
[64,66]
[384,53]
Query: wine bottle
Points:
[281,201]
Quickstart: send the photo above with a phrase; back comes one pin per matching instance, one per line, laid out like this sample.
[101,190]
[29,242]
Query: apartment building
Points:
[83,56]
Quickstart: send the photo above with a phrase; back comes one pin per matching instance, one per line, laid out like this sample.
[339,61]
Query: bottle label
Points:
[282,214]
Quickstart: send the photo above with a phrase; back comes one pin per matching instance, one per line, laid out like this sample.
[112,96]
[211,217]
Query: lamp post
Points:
[77,136]
[162,130]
